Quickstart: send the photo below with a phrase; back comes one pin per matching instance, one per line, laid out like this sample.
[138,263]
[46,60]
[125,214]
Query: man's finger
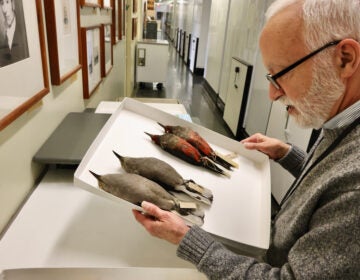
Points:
[251,146]
[151,209]
[139,216]
[255,138]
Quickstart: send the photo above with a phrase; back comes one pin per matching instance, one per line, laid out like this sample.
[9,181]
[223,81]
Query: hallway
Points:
[182,85]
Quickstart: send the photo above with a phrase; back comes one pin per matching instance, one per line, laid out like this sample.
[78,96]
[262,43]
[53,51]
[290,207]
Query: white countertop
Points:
[128,273]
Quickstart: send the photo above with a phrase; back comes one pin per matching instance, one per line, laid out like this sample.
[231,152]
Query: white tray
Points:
[241,208]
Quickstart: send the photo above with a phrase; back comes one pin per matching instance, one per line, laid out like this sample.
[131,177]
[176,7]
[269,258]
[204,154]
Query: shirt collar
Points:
[344,118]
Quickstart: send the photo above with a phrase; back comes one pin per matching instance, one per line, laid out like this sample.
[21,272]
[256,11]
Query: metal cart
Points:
[152,58]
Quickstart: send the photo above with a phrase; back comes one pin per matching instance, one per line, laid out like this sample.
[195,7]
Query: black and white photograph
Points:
[13,40]
[107,49]
[90,3]
[91,48]
[107,4]
[66,17]
[62,27]
[24,60]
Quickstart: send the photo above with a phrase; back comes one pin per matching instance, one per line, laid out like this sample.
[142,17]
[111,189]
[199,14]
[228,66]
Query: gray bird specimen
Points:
[164,174]
[135,189]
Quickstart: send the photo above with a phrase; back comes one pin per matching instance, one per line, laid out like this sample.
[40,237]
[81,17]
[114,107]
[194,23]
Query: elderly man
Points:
[312,52]
[13,46]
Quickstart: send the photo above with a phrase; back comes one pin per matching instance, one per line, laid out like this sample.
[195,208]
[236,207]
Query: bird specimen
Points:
[165,175]
[198,142]
[135,189]
[184,150]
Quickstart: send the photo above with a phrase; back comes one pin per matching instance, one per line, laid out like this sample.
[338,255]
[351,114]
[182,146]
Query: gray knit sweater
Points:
[316,234]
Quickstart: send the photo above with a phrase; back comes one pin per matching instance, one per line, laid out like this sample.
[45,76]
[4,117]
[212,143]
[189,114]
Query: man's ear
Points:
[347,57]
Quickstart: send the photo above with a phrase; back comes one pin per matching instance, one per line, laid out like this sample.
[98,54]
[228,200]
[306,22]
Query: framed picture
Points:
[107,4]
[106,49]
[123,17]
[62,26]
[135,6]
[150,5]
[144,15]
[91,59]
[134,28]
[117,21]
[90,3]
[23,62]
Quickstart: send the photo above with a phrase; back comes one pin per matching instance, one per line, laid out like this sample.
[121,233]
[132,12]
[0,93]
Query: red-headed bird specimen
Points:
[198,142]
[180,148]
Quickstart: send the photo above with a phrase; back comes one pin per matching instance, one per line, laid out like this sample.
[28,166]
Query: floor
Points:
[182,85]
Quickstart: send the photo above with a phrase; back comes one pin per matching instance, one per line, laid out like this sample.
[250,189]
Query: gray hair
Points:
[324,20]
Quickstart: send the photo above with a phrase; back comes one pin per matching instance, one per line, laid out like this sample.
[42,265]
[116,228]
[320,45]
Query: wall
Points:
[259,104]
[195,32]
[188,28]
[131,44]
[244,26]
[205,7]
[234,30]
[216,42]
[22,138]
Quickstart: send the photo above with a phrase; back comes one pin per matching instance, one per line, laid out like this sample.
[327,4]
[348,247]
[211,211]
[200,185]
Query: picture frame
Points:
[106,49]
[135,6]
[90,3]
[91,59]
[18,97]
[117,21]
[144,14]
[123,18]
[150,5]
[134,28]
[63,33]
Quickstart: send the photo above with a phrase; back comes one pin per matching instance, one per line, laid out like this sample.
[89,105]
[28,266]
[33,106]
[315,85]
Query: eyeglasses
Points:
[272,78]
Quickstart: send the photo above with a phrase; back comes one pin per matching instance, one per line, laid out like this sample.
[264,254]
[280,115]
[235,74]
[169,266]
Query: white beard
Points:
[314,109]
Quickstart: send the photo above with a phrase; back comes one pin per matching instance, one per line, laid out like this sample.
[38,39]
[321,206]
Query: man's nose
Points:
[274,93]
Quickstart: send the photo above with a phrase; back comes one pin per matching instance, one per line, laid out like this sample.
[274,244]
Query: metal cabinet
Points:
[152,58]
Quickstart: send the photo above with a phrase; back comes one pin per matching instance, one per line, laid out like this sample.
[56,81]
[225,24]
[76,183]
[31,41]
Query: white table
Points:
[127,273]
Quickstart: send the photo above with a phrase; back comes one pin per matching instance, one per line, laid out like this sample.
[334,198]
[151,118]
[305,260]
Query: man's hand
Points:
[160,223]
[272,147]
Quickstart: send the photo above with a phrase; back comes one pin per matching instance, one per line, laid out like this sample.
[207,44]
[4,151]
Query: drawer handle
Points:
[237,71]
